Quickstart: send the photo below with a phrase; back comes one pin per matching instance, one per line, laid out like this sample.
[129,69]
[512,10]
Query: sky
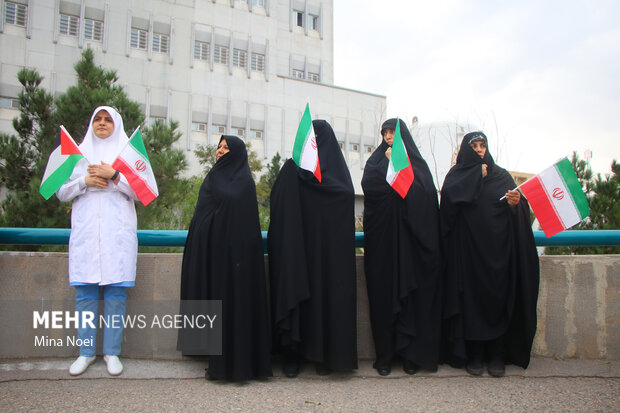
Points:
[541,78]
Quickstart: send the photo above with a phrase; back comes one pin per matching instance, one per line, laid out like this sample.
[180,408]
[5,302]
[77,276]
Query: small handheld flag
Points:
[305,149]
[133,162]
[399,172]
[556,197]
[60,164]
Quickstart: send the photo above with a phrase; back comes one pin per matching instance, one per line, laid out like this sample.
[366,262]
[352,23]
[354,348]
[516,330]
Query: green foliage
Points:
[263,190]
[95,87]
[166,211]
[603,194]
[206,156]
[23,157]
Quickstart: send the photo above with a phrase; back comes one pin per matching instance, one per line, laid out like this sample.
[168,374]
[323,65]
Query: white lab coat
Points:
[103,244]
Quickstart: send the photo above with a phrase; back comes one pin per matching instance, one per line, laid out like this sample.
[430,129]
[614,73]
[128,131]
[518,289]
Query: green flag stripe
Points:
[567,173]
[303,132]
[399,153]
[59,176]
[138,145]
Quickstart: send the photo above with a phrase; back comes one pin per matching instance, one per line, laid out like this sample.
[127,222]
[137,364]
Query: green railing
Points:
[176,238]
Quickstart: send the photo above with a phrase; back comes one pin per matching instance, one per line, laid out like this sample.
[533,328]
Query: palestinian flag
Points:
[556,198]
[399,172]
[133,162]
[60,164]
[305,150]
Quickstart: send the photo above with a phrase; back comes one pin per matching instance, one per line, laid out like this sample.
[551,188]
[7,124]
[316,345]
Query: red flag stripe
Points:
[139,185]
[403,181]
[542,206]
[67,145]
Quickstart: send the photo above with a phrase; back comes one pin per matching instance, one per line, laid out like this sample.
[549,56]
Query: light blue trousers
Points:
[114,306]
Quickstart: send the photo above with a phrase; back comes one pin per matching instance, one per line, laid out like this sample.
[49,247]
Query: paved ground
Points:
[174,386]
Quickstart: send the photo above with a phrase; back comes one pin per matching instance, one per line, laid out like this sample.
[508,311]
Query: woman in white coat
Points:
[103,244]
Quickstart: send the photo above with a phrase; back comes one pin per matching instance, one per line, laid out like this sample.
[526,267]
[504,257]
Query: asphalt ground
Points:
[38,385]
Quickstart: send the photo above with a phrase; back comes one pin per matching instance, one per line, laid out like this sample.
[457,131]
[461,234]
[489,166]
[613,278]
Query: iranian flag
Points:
[556,198]
[399,172]
[60,164]
[134,164]
[305,151]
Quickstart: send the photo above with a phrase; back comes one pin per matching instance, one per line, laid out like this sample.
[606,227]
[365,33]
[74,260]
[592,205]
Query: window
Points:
[93,29]
[299,74]
[199,127]
[154,119]
[9,103]
[138,38]
[15,13]
[160,43]
[258,62]
[313,22]
[218,129]
[201,50]
[313,76]
[221,54]
[240,132]
[341,144]
[240,58]
[256,134]
[299,18]
[368,149]
[260,3]
[354,147]
[69,24]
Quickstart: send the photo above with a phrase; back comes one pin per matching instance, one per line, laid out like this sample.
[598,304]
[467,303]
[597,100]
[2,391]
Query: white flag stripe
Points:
[309,156]
[131,157]
[391,174]
[560,197]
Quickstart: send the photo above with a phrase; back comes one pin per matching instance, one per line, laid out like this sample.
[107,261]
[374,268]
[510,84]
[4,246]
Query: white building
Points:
[241,67]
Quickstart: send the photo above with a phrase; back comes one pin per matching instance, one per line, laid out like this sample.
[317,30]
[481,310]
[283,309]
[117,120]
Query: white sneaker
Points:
[80,365]
[115,367]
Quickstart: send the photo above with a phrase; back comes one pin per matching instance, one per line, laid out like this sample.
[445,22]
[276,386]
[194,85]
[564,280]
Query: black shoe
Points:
[208,376]
[496,368]
[291,368]
[410,367]
[384,371]
[321,370]
[475,367]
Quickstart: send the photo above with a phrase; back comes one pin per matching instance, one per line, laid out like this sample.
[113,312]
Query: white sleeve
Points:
[75,186]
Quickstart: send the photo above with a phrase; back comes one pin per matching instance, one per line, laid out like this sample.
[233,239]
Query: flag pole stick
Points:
[517,187]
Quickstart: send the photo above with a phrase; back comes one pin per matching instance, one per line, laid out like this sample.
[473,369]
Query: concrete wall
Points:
[578,307]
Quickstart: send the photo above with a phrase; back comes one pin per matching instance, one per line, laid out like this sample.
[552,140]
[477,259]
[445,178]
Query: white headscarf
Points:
[96,149]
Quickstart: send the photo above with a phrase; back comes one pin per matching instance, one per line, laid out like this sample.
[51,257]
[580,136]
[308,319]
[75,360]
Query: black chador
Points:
[491,277]
[312,261]
[223,260]
[402,261]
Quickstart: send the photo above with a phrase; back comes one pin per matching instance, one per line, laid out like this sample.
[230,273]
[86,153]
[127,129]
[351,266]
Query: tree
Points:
[263,190]
[169,209]
[23,157]
[206,156]
[603,194]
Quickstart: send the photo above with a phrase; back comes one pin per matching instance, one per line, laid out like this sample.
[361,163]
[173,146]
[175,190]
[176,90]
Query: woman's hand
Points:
[484,170]
[388,152]
[96,181]
[513,197]
[102,171]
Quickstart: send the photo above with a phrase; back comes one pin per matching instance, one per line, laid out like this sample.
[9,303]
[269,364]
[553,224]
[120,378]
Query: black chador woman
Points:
[312,261]
[491,278]
[223,260]
[402,259]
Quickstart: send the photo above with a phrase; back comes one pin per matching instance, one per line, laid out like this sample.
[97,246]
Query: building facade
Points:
[240,67]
